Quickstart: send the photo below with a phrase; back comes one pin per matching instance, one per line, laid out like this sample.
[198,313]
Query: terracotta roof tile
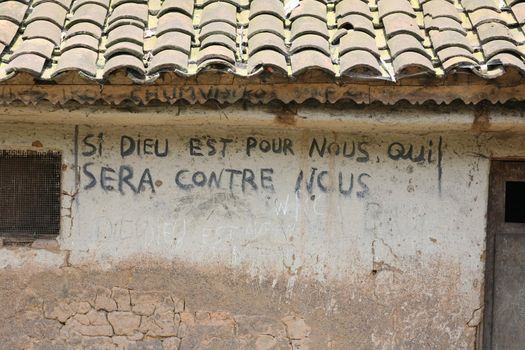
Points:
[308,25]
[441,9]
[360,62]
[413,62]
[455,51]
[375,39]
[40,47]
[309,8]
[519,11]
[448,38]
[48,11]
[79,3]
[444,23]
[91,13]
[266,24]
[401,23]
[218,28]
[357,22]
[264,41]
[495,47]
[219,12]
[8,31]
[219,39]
[82,40]
[265,59]
[492,31]
[116,3]
[128,62]
[13,11]
[173,41]
[269,7]
[125,32]
[64,3]
[458,62]
[473,5]
[44,30]
[30,63]
[175,22]
[84,28]
[183,6]
[484,15]
[311,59]
[217,54]
[78,59]
[127,11]
[353,7]
[389,7]
[312,42]
[125,47]
[171,60]
[507,60]
[358,41]
[406,42]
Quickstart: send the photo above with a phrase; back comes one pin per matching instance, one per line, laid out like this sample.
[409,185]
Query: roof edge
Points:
[258,93]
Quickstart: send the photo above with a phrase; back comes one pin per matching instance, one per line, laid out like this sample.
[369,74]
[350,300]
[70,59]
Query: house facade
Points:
[262,175]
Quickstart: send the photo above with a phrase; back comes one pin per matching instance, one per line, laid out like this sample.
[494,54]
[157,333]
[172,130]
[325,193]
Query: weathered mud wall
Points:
[212,237]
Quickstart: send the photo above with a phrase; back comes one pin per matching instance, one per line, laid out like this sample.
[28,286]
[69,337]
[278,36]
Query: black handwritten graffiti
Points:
[92,179]
[421,154]
[398,151]
[124,179]
[440,163]
[226,179]
[210,147]
[345,149]
[93,148]
[275,145]
[345,186]
[147,146]
[110,179]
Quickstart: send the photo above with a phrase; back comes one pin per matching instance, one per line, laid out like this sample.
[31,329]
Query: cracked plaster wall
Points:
[395,261]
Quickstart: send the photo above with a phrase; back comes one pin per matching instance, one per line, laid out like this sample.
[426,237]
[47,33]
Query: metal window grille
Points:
[29,193]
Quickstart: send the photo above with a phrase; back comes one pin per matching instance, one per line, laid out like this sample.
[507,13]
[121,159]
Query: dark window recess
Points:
[29,193]
[515,201]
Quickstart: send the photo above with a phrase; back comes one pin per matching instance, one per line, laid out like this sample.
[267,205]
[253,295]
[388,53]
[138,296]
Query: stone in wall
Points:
[120,318]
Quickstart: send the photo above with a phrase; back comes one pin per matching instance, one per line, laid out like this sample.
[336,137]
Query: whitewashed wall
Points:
[415,213]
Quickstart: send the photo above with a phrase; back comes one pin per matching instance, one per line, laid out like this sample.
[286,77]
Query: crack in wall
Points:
[174,327]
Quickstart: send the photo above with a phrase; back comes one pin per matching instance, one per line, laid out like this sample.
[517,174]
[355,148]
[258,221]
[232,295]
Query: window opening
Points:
[515,201]
[29,193]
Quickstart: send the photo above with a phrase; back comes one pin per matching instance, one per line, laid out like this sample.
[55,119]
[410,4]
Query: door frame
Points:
[501,171]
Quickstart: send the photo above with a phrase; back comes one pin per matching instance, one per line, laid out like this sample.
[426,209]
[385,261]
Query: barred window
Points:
[29,194]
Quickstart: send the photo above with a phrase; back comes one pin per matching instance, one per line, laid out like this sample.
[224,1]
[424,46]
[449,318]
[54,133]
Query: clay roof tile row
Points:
[371,39]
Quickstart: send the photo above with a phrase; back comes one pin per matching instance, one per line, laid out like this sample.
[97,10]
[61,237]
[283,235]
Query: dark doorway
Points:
[504,325]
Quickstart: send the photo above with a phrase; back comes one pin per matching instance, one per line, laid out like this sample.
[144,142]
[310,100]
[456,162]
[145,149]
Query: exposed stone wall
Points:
[176,307]
[127,319]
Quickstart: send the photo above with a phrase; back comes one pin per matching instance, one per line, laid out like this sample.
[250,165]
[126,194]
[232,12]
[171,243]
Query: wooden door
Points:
[504,324]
